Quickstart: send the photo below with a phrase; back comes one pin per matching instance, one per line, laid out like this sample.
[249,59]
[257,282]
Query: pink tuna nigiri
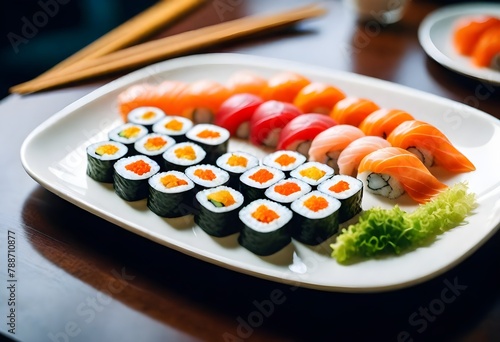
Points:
[327,145]
[235,113]
[352,155]
[392,171]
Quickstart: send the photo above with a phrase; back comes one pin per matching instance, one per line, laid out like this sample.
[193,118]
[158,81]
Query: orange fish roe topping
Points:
[235,160]
[285,160]
[206,174]
[154,144]
[264,214]
[312,172]
[339,187]
[174,125]
[139,167]
[262,176]
[148,115]
[130,132]
[106,149]
[171,181]
[223,197]
[208,134]
[316,203]
[186,152]
[287,188]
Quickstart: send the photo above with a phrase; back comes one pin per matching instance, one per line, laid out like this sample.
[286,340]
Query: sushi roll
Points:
[312,173]
[318,97]
[131,177]
[266,227]
[128,134]
[255,181]
[170,194]
[154,145]
[213,139]
[182,155]
[145,116]
[352,110]
[284,160]
[235,163]
[174,126]
[219,208]
[287,190]
[234,114]
[316,218]
[101,157]
[206,176]
[348,190]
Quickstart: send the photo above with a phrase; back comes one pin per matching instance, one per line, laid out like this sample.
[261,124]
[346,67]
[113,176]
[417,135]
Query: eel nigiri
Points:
[318,97]
[352,110]
[235,113]
[352,155]
[382,122]
[430,145]
[468,30]
[299,132]
[486,53]
[284,86]
[327,145]
[392,171]
[246,81]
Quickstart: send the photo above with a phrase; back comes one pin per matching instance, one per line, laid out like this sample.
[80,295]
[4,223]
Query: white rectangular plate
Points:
[54,155]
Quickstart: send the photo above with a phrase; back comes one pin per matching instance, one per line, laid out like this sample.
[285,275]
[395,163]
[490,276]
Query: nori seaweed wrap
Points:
[348,190]
[173,126]
[101,157]
[235,163]
[213,139]
[146,116]
[131,177]
[255,181]
[170,194]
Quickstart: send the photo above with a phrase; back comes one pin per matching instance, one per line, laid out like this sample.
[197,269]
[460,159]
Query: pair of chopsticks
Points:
[102,59]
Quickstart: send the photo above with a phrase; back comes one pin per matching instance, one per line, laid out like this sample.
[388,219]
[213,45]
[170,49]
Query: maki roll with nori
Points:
[131,177]
[154,145]
[287,190]
[182,155]
[170,194]
[146,116]
[312,173]
[174,126]
[348,190]
[206,176]
[255,181]
[213,139]
[284,160]
[316,217]
[128,134]
[218,213]
[101,157]
[265,229]
[235,163]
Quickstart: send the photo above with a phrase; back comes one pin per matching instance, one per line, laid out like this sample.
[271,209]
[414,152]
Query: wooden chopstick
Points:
[156,50]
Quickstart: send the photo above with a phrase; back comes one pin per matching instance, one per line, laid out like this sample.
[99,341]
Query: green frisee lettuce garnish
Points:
[393,231]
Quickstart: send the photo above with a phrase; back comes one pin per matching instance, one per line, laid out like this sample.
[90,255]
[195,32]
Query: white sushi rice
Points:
[323,167]
[122,150]
[272,194]
[202,197]
[277,176]
[114,134]
[245,214]
[161,126]
[136,115]
[120,167]
[222,161]
[140,145]
[221,176]
[300,208]
[270,160]
[170,156]
[382,184]
[355,185]
[192,134]
[155,182]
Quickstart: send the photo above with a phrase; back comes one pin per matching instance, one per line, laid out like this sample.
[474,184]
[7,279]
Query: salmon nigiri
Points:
[318,97]
[468,30]
[430,145]
[352,110]
[392,171]
[486,53]
[284,86]
[352,155]
[246,81]
[381,122]
[327,145]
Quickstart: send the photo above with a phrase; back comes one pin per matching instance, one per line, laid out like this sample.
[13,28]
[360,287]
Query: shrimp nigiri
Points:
[392,171]
[352,155]
[284,86]
[318,97]
[327,145]
[352,110]
[430,145]
[245,81]
[382,122]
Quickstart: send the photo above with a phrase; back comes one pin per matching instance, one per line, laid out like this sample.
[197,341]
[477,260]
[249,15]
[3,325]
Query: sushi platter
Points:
[206,191]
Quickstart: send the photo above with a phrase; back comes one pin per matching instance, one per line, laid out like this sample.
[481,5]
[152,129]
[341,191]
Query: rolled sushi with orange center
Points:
[284,86]
[287,190]
[130,179]
[348,190]
[313,173]
[180,156]
[206,176]
[174,126]
[101,156]
[284,160]
[170,194]
[255,181]
[352,110]
[236,163]
[318,97]
[212,138]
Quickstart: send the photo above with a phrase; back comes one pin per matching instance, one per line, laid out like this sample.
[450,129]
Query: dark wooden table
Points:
[80,278]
